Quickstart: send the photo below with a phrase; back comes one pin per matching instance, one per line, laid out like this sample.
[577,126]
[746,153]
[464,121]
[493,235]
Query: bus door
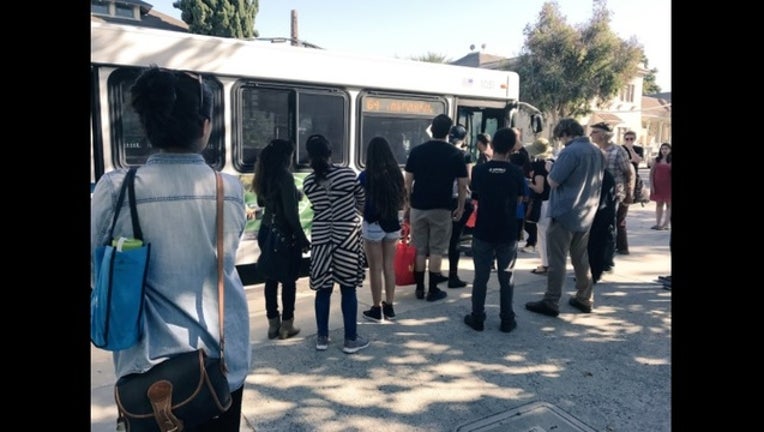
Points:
[480,116]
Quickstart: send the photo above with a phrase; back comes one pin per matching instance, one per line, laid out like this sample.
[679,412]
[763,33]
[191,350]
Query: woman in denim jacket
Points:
[176,204]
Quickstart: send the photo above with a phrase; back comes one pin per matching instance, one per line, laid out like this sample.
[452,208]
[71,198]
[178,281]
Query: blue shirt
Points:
[176,206]
[578,171]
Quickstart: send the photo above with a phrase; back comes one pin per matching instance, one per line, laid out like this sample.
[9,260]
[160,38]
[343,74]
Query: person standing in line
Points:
[273,183]
[484,150]
[497,185]
[520,157]
[540,150]
[619,164]
[602,232]
[636,153]
[660,187]
[431,169]
[382,181]
[176,199]
[576,182]
[456,136]
[337,199]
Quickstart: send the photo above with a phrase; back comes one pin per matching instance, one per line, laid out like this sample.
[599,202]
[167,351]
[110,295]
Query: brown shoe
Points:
[542,307]
[578,304]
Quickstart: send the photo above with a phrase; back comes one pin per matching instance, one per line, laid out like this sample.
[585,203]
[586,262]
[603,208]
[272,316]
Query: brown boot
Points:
[273,327]
[288,329]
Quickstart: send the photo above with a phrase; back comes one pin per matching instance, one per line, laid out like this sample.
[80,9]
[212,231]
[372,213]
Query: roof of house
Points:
[656,107]
[149,18]
[479,59]
[606,117]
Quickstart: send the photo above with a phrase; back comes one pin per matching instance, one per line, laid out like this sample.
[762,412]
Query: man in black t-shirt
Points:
[497,185]
[431,169]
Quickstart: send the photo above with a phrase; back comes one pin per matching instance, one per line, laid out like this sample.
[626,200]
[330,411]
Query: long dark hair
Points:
[320,152]
[172,106]
[274,158]
[384,179]
[660,155]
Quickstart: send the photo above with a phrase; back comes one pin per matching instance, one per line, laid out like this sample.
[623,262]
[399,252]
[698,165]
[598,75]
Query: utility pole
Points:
[295,35]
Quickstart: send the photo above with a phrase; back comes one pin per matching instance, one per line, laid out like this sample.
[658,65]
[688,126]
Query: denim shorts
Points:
[374,232]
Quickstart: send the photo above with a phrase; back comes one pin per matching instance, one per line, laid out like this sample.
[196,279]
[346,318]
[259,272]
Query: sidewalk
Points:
[605,371]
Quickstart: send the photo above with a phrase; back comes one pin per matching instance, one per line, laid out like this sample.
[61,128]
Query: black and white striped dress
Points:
[336,252]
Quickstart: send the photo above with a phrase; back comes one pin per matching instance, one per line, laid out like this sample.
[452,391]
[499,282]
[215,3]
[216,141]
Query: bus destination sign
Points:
[381,105]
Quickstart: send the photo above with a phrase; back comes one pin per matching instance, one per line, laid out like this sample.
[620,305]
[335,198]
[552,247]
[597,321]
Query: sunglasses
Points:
[198,78]
[629,139]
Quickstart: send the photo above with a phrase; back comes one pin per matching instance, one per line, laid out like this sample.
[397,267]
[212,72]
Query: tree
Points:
[564,70]
[648,83]
[431,58]
[226,18]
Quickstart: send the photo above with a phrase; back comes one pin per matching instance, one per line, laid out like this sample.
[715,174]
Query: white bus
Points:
[264,91]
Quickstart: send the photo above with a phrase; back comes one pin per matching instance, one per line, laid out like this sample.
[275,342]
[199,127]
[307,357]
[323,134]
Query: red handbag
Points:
[473,216]
[405,256]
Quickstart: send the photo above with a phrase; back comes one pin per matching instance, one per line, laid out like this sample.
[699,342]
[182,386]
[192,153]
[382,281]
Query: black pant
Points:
[621,239]
[532,230]
[456,235]
[288,294]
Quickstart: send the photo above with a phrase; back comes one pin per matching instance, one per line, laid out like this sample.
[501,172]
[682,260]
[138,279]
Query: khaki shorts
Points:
[431,231]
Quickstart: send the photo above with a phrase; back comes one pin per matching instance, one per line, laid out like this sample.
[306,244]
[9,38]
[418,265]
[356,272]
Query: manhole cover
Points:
[532,417]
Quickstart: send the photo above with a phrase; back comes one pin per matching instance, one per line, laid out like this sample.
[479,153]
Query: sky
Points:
[413,28]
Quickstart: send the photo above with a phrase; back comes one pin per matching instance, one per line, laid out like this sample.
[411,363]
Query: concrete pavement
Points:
[605,371]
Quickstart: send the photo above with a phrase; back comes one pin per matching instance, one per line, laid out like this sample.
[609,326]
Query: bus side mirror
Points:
[537,123]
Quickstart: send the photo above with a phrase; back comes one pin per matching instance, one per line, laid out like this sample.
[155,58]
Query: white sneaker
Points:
[322,343]
[352,346]
[528,249]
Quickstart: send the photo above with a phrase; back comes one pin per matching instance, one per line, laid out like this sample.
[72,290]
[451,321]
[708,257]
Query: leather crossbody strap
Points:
[220,195]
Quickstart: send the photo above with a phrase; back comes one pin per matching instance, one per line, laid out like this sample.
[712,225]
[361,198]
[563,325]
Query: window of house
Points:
[99,7]
[626,94]
[124,11]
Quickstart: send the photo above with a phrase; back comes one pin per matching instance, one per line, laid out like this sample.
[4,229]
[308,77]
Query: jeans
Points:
[288,293]
[349,310]
[483,254]
[560,242]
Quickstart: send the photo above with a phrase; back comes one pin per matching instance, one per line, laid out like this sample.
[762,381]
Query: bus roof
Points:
[116,44]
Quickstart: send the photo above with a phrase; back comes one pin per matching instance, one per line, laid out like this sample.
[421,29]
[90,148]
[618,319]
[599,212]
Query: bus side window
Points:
[325,114]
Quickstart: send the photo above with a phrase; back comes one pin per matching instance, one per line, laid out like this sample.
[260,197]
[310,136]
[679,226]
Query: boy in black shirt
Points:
[497,185]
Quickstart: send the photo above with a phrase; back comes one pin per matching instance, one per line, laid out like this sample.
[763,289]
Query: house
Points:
[648,116]
[133,12]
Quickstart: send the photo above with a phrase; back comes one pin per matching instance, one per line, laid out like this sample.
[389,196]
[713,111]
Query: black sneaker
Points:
[373,314]
[387,311]
[435,294]
[419,293]
[542,307]
[578,304]
[437,278]
[472,321]
[507,326]
[455,282]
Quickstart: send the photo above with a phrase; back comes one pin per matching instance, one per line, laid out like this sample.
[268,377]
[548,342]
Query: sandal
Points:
[540,270]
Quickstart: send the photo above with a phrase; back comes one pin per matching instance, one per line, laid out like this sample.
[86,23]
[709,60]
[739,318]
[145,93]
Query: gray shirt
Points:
[578,171]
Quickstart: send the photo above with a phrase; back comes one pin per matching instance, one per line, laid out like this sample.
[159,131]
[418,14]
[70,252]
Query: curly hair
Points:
[384,179]
[274,158]
[171,106]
